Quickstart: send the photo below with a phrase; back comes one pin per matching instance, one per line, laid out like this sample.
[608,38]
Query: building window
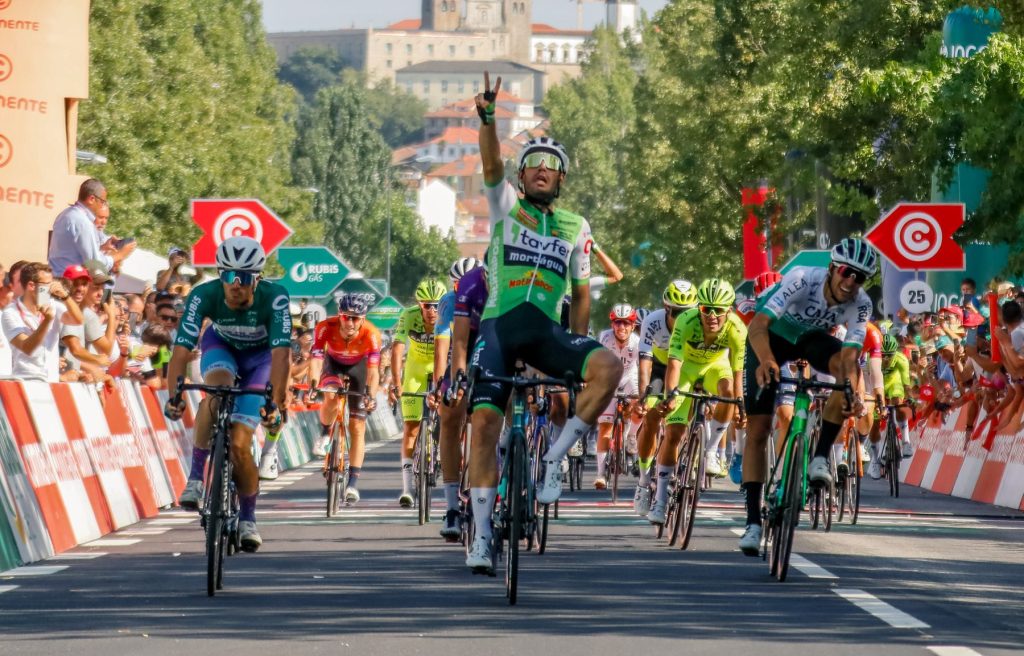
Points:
[451,51]
[444,6]
[408,48]
[408,62]
[476,87]
[444,86]
[426,86]
[389,63]
[408,87]
[565,54]
[472,51]
[387,48]
[430,49]
[538,55]
[462,87]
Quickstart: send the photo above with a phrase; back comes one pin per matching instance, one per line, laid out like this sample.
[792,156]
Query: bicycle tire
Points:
[618,460]
[695,474]
[332,473]
[843,491]
[814,507]
[216,514]
[543,521]
[423,460]
[853,481]
[830,502]
[538,440]
[892,459]
[790,511]
[677,500]
[515,493]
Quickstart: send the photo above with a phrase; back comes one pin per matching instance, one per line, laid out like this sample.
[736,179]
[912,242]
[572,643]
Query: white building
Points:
[436,205]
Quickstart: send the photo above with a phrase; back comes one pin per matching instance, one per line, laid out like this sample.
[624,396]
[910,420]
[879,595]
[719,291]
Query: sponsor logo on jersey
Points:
[531,278]
[280,303]
[190,323]
[524,217]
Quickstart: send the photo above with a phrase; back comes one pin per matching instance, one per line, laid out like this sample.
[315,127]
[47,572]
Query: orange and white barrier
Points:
[948,461]
[77,462]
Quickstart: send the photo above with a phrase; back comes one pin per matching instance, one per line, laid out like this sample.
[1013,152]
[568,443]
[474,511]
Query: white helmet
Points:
[543,145]
[241,254]
[462,266]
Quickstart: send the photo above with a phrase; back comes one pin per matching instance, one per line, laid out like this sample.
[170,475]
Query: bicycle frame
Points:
[798,426]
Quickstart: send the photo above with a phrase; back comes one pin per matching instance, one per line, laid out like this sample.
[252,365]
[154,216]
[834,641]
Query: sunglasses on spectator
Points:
[243,277]
[713,311]
[353,318]
[168,317]
[550,160]
[845,271]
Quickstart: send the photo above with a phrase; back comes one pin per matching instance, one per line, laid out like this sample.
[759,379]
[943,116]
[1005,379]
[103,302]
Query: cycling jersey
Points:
[896,376]
[366,343]
[445,316]
[746,308]
[532,255]
[687,341]
[265,324]
[628,354]
[797,306]
[870,358]
[471,298]
[654,337]
[419,361]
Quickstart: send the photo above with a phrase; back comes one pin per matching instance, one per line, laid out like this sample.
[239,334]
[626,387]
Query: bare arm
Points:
[644,368]
[460,344]
[280,370]
[440,357]
[372,381]
[757,335]
[180,358]
[611,270]
[397,355]
[490,147]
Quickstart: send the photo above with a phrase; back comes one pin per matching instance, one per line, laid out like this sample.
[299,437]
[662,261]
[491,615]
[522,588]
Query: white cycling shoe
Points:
[658,513]
[875,470]
[248,536]
[712,464]
[268,466]
[642,500]
[819,471]
[351,495]
[551,487]
[320,446]
[750,543]
[479,559]
[192,496]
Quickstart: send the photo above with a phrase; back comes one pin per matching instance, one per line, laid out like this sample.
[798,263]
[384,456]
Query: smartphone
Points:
[107,293]
[43,297]
[121,243]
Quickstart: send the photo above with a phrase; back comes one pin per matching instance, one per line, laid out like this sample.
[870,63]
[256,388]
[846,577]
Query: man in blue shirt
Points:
[75,235]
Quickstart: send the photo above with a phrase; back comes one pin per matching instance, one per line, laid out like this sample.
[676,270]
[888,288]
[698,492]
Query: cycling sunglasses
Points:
[622,322]
[550,160]
[712,311]
[428,306]
[243,277]
[846,271]
[353,318]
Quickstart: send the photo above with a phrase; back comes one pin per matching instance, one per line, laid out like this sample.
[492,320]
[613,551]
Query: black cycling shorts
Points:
[528,334]
[815,347]
[333,375]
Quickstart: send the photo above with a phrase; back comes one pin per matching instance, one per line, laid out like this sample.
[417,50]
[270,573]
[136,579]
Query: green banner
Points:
[385,314]
[811,258]
[362,288]
[311,271]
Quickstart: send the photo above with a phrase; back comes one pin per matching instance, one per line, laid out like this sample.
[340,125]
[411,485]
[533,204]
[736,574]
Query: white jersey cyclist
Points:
[798,305]
[654,336]
[629,355]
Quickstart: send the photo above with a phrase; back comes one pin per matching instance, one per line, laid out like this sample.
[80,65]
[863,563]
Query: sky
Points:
[290,15]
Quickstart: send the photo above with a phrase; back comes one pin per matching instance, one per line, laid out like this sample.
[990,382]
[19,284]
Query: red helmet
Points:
[623,312]
[765,281]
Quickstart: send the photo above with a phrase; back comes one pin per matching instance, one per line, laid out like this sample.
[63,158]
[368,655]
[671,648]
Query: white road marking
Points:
[78,556]
[880,609]
[953,651]
[810,569]
[155,530]
[34,570]
[112,542]
[7,588]
[172,521]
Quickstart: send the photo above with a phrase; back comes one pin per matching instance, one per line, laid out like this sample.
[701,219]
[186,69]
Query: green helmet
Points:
[890,344]
[430,291]
[680,294]
[716,293]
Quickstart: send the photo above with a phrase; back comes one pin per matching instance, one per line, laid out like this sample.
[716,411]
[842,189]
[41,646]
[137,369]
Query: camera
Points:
[121,243]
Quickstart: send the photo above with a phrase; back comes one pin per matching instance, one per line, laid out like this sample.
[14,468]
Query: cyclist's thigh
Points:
[689,374]
[217,355]
[554,351]
[415,379]
[254,373]
[494,355]
[783,351]
[818,348]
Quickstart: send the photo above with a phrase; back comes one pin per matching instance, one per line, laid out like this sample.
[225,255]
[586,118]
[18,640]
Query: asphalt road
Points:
[924,574]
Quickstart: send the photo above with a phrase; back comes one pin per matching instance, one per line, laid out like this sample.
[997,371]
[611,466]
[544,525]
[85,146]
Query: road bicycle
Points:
[849,478]
[615,459]
[219,514]
[426,457]
[689,477]
[335,469]
[786,492]
[514,510]
[892,448]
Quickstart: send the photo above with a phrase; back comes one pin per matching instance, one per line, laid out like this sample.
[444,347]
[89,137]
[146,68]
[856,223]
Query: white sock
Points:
[645,477]
[483,506]
[715,438]
[741,440]
[574,430]
[664,476]
[837,452]
[451,495]
[407,481]
[600,463]
[270,447]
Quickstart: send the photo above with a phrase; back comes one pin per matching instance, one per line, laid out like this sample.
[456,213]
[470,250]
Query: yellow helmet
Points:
[430,291]
[680,294]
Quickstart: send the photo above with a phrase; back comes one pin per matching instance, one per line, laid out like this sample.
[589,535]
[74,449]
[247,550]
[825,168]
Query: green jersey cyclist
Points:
[249,336]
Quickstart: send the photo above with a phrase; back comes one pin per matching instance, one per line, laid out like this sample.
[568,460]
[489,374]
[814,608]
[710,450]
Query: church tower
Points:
[440,15]
[622,15]
[482,15]
[517,15]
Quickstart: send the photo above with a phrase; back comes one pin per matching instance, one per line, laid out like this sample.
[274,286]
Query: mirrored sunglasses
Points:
[243,277]
[713,311]
[353,318]
[846,271]
[549,160]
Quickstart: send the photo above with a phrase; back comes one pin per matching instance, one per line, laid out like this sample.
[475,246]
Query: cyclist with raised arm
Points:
[347,347]
[413,374]
[655,333]
[621,340]
[453,411]
[707,345]
[536,252]
[249,337]
[792,323]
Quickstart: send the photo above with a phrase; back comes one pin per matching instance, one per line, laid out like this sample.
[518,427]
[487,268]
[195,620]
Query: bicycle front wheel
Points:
[892,460]
[423,463]
[788,514]
[694,476]
[516,490]
[618,456]
[334,491]
[216,515]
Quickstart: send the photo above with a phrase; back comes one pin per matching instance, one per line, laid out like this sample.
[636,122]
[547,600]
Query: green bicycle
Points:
[787,489]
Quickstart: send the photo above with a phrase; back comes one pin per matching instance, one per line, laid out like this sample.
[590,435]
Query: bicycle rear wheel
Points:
[515,491]
[422,482]
[694,476]
[216,514]
[618,459]
[334,493]
[788,515]
[853,480]
[892,459]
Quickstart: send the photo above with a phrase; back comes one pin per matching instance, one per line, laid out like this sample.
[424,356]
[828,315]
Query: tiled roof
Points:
[468,165]
[409,25]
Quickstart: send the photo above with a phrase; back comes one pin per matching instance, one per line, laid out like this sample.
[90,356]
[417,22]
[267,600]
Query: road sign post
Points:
[223,218]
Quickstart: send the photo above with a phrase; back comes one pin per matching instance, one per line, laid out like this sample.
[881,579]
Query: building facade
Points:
[439,83]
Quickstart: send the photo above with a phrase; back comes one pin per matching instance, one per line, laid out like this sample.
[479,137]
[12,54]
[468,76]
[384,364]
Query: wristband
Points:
[486,114]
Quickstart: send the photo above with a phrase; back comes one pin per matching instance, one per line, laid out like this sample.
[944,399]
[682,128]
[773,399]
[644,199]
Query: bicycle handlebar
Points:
[708,397]
[522,382]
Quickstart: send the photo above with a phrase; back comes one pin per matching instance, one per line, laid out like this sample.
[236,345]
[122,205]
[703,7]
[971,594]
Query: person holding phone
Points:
[32,323]
[178,271]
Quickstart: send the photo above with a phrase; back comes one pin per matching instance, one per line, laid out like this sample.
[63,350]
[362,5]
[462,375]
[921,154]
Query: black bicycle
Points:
[514,513]
[426,458]
[892,449]
[335,468]
[219,514]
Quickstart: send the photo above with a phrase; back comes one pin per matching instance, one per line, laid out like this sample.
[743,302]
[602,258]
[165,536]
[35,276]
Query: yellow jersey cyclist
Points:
[537,252]
[707,345]
[655,333]
[249,336]
[412,366]
[896,382]
[793,323]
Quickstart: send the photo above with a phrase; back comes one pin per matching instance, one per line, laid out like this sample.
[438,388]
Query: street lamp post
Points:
[387,284]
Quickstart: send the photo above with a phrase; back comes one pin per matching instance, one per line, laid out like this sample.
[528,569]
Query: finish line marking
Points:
[880,609]
[810,569]
[953,651]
